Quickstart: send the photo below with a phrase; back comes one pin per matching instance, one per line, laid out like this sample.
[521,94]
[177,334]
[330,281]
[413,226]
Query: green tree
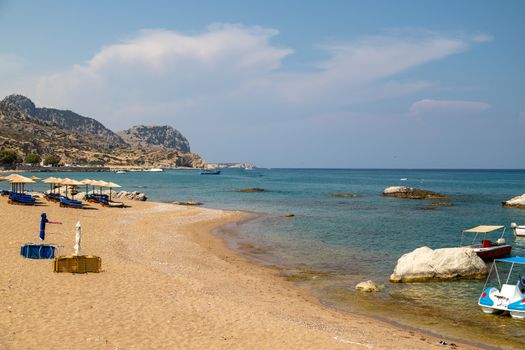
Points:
[32,158]
[52,160]
[9,157]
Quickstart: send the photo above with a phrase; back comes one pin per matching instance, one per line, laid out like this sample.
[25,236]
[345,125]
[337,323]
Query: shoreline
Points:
[236,245]
[168,282]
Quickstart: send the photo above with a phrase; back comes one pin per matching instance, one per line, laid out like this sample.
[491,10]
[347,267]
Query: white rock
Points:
[517,202]
[367,286]
[396,189]
[425,264]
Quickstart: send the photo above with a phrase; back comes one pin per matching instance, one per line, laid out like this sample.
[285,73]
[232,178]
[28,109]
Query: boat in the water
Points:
[519,230]
[508,298]
[486,248]
[121,172]
[210,172]
[155,170]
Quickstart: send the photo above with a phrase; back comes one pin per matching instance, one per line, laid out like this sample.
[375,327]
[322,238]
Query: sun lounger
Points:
[70,203]
[111,204]
[53,197]
[5,193]
[20,198]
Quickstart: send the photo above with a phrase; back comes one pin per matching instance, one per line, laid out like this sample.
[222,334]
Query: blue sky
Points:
[413,84]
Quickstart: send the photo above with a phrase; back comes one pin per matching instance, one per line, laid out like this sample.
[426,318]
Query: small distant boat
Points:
[403,179]
[519,230]
[210,172]
[121,172]
[485,248]
[509,298]
[156,170]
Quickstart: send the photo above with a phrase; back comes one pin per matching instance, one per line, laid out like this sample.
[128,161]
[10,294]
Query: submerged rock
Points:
[288,215]
[411,193]
[425,264]
[188,203]
[441,204]
[516,202]
[251,190]
[342,195]
[368,286]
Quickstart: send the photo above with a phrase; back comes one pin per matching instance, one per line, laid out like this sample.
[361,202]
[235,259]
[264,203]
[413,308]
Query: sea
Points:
[333,242]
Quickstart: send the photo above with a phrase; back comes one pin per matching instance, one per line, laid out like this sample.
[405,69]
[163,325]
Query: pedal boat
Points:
[519,230]
[509,298]
[485,248]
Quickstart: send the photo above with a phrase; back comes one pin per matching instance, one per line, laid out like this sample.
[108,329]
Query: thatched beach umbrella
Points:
[51,181]
[70,182]
[86,182]
[99,183]
[18,182]
[112,185]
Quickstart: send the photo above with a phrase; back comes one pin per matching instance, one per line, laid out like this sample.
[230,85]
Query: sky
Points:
[307,84]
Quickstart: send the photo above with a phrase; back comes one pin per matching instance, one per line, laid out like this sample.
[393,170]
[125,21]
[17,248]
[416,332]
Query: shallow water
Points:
[332,243]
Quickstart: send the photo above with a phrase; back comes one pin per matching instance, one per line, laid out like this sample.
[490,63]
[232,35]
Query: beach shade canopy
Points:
[18,182]
[50,180]
[86,182]
[19,179]
[71,182]
[112,185]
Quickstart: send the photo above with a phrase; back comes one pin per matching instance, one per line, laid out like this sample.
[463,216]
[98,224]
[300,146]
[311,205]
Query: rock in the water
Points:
[367,286]
[425,264]
[441,204]
[188,203]
[516,202]
[288,215]
[342,195]
[252,189]
[412,193]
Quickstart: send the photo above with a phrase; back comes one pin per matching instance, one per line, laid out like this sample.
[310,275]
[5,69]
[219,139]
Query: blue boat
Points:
[210,172]
[509,298]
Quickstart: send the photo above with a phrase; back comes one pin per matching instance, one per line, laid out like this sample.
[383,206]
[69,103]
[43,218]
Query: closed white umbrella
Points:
[78,238]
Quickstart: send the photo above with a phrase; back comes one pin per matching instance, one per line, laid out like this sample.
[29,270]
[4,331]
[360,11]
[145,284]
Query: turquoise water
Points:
[332,243]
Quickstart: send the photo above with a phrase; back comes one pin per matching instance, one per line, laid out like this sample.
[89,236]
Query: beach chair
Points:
[108,203]
[21,199]
[70,203]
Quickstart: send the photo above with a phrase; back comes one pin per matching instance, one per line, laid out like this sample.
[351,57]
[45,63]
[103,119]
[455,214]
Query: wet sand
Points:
[167,283]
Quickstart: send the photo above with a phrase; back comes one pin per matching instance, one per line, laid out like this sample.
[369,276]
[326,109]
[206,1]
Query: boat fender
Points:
[501,241]
[513,225]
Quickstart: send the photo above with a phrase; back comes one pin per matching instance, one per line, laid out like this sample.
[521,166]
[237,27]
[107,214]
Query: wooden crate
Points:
[77,264]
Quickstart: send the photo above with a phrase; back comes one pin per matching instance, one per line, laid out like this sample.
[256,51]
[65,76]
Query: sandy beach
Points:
[167,283]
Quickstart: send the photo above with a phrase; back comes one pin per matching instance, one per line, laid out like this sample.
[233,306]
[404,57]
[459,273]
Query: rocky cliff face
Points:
[160,136]
[82,140]
[63,118]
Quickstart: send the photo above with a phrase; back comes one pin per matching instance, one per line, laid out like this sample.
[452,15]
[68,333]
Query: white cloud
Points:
[235,68]
[427,106]
[233,74]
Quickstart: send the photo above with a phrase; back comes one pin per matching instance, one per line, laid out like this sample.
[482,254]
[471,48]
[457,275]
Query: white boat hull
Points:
[519,231]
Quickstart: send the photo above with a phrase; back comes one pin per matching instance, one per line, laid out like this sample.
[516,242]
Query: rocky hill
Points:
[159,136]
[84,141]
[64,119]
